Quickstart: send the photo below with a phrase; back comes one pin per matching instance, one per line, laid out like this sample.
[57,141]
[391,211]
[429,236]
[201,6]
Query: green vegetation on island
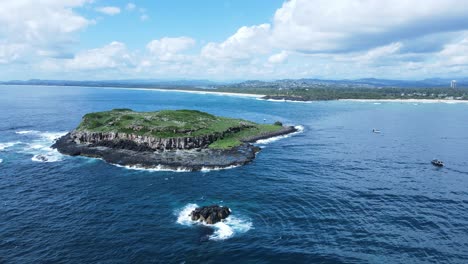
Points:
[176,124]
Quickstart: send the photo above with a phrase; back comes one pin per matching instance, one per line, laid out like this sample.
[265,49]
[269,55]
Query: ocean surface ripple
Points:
[333,193]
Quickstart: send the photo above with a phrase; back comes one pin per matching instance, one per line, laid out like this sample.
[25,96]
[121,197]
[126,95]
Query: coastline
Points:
[261,96]
[423,101]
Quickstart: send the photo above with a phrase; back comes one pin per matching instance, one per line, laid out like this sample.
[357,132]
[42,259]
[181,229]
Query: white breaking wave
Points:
[300,129]
[47,157]
[223,230]
[165,168]
[208,169]
[183,216]
[229,227]
[6,145]
[51,136]
[40,148]
[1,160]
[157,168]
[24,132]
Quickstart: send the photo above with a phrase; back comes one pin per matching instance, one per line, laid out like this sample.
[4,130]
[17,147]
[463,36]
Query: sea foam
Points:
[166,168]
[208,169]
[52,156]
[40,145]
[228,228]
[157,168]
[25,132]
[6,145]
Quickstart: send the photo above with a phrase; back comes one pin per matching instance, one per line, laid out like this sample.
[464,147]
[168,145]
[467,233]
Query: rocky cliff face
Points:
[137,142]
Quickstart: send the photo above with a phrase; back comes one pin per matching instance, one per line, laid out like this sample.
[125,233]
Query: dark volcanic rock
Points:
[210,214]
[193,160]
[178,153]
[42,158]
[143,143]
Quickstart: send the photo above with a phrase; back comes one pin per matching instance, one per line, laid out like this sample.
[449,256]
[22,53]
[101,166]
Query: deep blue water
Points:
[336,193]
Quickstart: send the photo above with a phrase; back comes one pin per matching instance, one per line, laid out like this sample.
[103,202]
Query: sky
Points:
[233,39]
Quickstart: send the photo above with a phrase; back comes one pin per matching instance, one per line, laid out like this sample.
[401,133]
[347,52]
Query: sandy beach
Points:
[195,92]
[414,101]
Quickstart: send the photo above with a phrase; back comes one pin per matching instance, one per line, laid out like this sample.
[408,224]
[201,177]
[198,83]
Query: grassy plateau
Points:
[175,123]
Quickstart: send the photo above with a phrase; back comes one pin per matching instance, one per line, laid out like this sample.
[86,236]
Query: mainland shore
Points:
[285,98]
[422,101]
[261,96]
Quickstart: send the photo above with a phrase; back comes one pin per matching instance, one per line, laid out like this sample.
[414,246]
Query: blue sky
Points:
[233,39]
[209,20]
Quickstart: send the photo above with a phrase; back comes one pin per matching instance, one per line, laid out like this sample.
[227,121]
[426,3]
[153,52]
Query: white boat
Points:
[437,163]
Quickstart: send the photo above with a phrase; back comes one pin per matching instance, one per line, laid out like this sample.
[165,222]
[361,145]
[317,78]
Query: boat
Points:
[375,131]
[437,163]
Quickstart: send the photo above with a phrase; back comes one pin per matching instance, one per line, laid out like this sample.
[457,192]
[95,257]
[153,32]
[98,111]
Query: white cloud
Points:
[144,17]
[333,38]
[371,56]
[317,38]
[109,10]
[32,29]
[11,52]
[33,22]
[246,42]
[169,48]
[112,56]
[278,57]
[130,6]
[323,25]
[455,54]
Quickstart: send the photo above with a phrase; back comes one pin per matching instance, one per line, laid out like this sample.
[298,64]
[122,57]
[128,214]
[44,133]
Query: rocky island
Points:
[167,139]
[210,214]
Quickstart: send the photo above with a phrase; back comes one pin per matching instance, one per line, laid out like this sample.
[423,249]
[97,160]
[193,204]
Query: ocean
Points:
[334,193]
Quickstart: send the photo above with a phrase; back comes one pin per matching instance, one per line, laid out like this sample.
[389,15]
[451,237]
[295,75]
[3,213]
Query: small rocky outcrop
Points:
[42,158]
[210,214]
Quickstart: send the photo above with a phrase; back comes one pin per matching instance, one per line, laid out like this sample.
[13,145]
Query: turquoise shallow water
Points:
[335,193]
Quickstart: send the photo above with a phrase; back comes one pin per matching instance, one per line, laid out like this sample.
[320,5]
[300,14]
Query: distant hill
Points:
[284,83]
[361,83]
[119,83]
